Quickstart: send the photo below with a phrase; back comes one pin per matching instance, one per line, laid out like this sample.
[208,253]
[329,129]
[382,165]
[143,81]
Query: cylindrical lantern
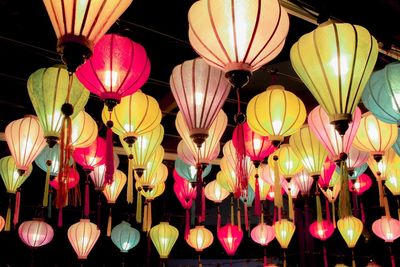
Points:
[9,172]
[125,237]
[350,228]
[83,236]
[230,236]
[84,130]
[200,238]
[164,237]
[387,229]
[35,233]
[284,231]
[215,192]
[112,191]
[263,234]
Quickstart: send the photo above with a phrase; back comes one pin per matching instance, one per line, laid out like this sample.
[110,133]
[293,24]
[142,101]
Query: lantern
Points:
[263,234]
[185,193]
[112,191]
[321,230]
[268,175]
[228,182]
[2,223]
[80,25]
[289,164]
[9,172]
[189,191]
[200,91]
[387,229]
[83,236]
[48,90]
[153,193]
[189,172]
[304,181]
[71,181]
[327,173]
[125,237]
[238,37]
[284,231]
[382,168]
[248,196]
[84,130]
[35,233]
[360,184]
[264,187]
[185,153]
[91,156]
[200,238]
[335,62]
[49,156]
[350,228]
[355,159]
[164,237]
[276,121]
[293,189]
[149,181]
[393,181]
[215,192]
[230,237]
[98,175]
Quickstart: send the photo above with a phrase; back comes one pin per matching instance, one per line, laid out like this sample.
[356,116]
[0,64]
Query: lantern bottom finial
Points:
[139,172]
[130,140]
[341,126]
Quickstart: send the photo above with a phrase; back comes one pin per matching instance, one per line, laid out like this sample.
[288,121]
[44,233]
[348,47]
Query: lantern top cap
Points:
[276,87]
[84,220]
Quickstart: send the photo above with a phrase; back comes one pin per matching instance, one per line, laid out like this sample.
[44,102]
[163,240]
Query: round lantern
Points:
[230,237]
[80,25]
[200,91]
[335,62]
[276,121]
[84,130]
[289,164]
[91,156]
[387,229]
[350,228]
[71,181]
[9,172]
[263,234]
[185,153]
[215,192]
[189,172]
[200,238]
[48,90]
[125,237]
[83,236]
[304,181]
[49,156]
[284,231]
[164,237]
[321,230]
[25,140]
[35,233]
[2,223]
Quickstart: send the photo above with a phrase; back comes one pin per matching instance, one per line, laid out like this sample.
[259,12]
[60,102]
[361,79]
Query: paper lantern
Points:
[200,91]
[83,236]
[164,237]
[284,231]
[331,193]
[386,228]
[309,150]
[2,223]
[360,184]
[112,191]
[35,233]
[337,146]
[200,238]
[91,156]
[215,192]
[268,175]
[71,181]
[152,163]
[230,237]
[231,161]
[84,130]
[335,62]
[382,168]
[276,121]
[289,164]
[125,237]
[9,172]
[185,153]
[321,230]
[189,172]
[350,228]
[80,25]
[263,234]
[304,181]
[25,140]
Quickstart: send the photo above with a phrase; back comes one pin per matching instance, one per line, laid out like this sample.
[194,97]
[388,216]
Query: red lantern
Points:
[230,237]
[71,181]
[185,193]
[387,229]
[361,184]
[322,230]
[91,156]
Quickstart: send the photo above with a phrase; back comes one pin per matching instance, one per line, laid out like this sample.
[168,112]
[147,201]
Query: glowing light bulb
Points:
[193,171]
[110,78]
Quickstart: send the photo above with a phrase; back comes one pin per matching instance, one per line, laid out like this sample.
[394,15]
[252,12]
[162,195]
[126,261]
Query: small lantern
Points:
[189,172]
[361,184]
[164,237]
[284,231]
[263,234]
[289,164]
[230,237]
[71,181]
[125,237]
[185,153]
[84,130]
[304,181]
[200,238]
[321,230]
[83,236]
[35,233]
[9,172]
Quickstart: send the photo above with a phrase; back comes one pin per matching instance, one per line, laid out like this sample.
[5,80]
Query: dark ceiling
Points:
[28,42]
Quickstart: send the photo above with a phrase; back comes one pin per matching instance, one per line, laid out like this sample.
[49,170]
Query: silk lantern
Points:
[321,230]
[70,181]
[284,231]
[230,237]
[350,229]
[125,237]
[360,184]
[112,191]
[151,179]
[386,228]
[200,238]
[35,233]
[335,62]
[289,164]
[263,234]
[304,181]
[355,159]
[91,156]
[83,235]
[393,182]
[164,237]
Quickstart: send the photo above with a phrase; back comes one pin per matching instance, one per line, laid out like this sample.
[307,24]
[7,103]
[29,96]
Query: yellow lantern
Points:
[335,62]
[200,238]
[151,168]
[112,191]
[215,192]
[264,187]
[151,179]
[309,150]
[284,231]
[228,182]
[83,235]
[164,237]
[9,172]
[84,130]
[156,191]
[389,162]
[289,164]
[393,181]
[276,121]
[350,228]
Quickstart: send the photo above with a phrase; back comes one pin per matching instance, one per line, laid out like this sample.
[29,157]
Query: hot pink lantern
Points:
[35,233]
[185,193]
[387,228]
[72,180]
[329,168]
[230,237]
[361,184]
[320,125]
[322,230]
[91,156]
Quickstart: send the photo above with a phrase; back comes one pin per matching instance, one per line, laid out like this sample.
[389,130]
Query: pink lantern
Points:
[230,237]
[185,193]
[361,184]
[304,182]
[35,233]
[322,230]
[263,234]
[387,229]
[72,180]
[329,168]
[320,125]
[356,158]
[91,156]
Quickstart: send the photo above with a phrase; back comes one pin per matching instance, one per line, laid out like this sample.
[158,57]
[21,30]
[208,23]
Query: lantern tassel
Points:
[86,208]
[257,204]
[144,225]
[278,201]
[99,210]
[17,206]
[246,215]
[344,197]
[46,185]
[333,214]
[129,189]
[109,224]
[319,208]
[187,224]
[199,191]
[239,217]
[362,212]
[50,204]
[139,207]
[284,258]
[392,259]
[325,255]
[265,256]
[149,217]
[60,217]
[7,227]
[291,209]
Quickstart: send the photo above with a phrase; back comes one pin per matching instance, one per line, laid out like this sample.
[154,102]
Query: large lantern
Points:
[83,236]
[125,237]
[335,62]
[200,238]
[35,233]
[164,237]
[230,237]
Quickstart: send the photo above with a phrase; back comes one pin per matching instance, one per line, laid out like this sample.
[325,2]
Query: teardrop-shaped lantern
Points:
[284,231]
[350,228]
[91,156]
[386,228]
[321,230]
[112,191]
[125,237]
[289,164]
[215,192]
[35,233]
[9,172]
[83,236]
[230,236]
[84,130]
[263,234]
[164,237]
[200,238]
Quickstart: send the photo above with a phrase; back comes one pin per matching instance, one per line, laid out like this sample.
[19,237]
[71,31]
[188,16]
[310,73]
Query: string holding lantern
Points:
[263,234]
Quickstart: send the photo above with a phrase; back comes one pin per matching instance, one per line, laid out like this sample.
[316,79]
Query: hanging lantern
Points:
[230,237]
[381,169]
[149,181]
[125,237]
[112,191]
[360,184]
[184,153]
[387,229]
[91,156]
[264,187]
[48,91]
[350,228]
[268,175]
[35,233]
[200,238]
[335,74]
[238,37]
[284,231]
[276,121]
[71,181]
[83,236]
[293,189]
[381,94]
[337,146]
[98,174]
[49,156]
[189,172]
[80,25]
[185,193]
[393,181]
[321,230]
[2,223]
[84,130]
[327,173]
[215,192]
[248,196]
[355,159]
[304,181]
[186,188]
[153,193]
[331,193]
[164,237]
[9,172]
[263,234]
[289,164]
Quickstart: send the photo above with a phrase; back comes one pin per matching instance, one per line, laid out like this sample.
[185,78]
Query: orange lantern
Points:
[200,238]
[215,192]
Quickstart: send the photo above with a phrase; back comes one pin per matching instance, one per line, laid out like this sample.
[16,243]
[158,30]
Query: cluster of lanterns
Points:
[330,151]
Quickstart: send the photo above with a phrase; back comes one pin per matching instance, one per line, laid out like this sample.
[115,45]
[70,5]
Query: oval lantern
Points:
[230,236]
[386,228]
[112,191]
[35,233]
[215,192]
[189,172]
[200,238]
[72,180]
[350,228]
[83,236]
[9,172]
[125,237]
[164,237]
[84,130]
[321,230]
[186,154]
[263,234]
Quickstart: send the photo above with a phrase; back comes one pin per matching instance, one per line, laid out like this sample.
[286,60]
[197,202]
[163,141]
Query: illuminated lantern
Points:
[151,172]
[327,173]
[91,156]
[337,146]
[153,193]
[98,174]
[248,196]
[80,25]
[2,223]
[159,175]
[304,181]
[387,229]
[309,150]
[360,184]
[125,237]
[149,195]
[350,228]
[112,191]
[9,172]
[284,231]
[331,193]
[381,94]
[293,189]
[71,181]
[355,159]
[238,37]
[83,236]
[228,182]
[200,238]
[335,62]
[49,156]
[200,91]
[188,191]
[25,140]
[184,153]
[276,121]
[215,192]
[189,172]
[263,234]
[84,130]
[264,187]
[289,164]
[393,181]
[321,230]
[382,168]
[184,192]
[230,237]
[164,237]
[268,175]
[35,233]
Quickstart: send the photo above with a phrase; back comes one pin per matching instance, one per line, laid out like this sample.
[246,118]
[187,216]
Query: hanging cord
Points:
[86,208]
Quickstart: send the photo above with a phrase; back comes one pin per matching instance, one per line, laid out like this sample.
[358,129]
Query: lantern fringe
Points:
[109,175]
[187,224]
[49,207]
[265,257]
[109,224]
[139,207]
[129,188]
[291,208]
[7,227]
[246,215]
[17,207]
[278,201]
[344,197]
[86,208]
[203,206]
[149,217]
[60,217]
[144,225]
[362,212]
[257,200]
[46,187]
[333,214]
[380,190]
[232,212]
[319,208]
[199,189]
[239,217]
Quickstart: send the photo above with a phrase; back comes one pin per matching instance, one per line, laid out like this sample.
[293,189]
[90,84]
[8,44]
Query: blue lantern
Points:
[125,237]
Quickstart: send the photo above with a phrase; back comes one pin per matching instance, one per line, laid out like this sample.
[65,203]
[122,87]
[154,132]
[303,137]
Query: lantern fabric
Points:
[309,150]
[381,94]
[189,172]
[335,62]
[35,233]
[284,231]
[350,228]
[153,162]
[248,196]
[185,153]
[264,187]
[9,172]
[117,68]
[48,90]
[331,193]
[361,184]
[393,181]
[185,193]
[321,230]
[112,191]
[276,121]
[215,192]
[356,158]
[98,177]
[268,175]
[25,140]
[125,237]
[240,35]
[83,235]
[263,234]
[164,237]
[91,156]
[375,136]
[319,123]
[72,180]
[230,237]
[381,169]
[199,90]
[84,130]
[2,223]
[293,189]
[327,173]
[158,176]
[304,181]
[200,238]
[231,161]
[289,164]
[386,228]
